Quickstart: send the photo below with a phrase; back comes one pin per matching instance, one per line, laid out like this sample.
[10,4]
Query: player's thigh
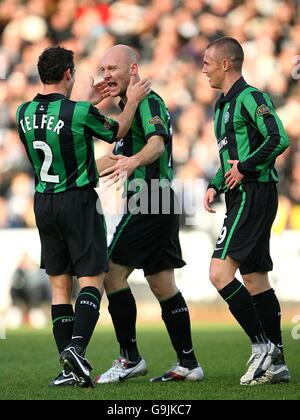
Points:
[164,249]
[84,231]
[250,212]
[265,208]
[55,258]
[135,239]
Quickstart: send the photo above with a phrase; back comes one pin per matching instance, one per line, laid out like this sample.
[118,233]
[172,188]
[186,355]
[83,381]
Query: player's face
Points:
[213,68]
[116,73]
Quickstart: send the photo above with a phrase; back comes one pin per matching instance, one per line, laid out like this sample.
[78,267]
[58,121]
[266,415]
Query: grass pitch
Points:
[28,361]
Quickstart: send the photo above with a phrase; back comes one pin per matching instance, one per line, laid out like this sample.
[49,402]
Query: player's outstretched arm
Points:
[124,166]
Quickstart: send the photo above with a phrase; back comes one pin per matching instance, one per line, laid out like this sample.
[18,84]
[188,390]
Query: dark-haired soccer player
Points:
[250,136]
[148,239]
[58,137]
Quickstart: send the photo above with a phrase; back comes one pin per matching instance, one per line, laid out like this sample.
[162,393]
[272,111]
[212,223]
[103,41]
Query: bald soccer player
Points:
[147,240]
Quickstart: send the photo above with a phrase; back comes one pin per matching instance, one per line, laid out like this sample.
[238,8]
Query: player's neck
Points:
[230,81]
[123,98]
[55,88]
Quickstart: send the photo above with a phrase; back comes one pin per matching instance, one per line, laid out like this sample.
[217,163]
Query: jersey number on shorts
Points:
[222,235]
[46,149]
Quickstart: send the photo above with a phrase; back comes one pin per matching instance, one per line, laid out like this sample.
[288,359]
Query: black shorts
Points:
[72,233]
[148,241]
[245,236]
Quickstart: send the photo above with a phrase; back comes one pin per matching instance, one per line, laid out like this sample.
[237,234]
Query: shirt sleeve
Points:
[261,114]
[218,182]
[100,126]
[154,118]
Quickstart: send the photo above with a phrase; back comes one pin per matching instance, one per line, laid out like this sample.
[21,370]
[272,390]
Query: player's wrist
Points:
[136,161]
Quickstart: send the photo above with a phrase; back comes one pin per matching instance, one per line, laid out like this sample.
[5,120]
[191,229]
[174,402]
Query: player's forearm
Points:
[151,152]
[125,118]
[218,182]
[265,155]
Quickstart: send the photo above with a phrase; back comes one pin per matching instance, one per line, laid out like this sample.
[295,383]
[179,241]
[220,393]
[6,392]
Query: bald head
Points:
[117,66]
[121,53]
[228,48]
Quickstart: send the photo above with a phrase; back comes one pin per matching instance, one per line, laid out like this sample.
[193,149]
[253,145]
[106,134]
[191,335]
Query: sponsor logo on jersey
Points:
[222,143]
[156,120]
[263,110]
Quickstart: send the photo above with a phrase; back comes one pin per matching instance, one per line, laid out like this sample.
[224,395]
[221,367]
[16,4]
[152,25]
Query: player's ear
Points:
[226,65]
[68,74]
[134,69]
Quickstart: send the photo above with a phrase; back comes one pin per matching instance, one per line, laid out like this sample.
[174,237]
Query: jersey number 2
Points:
[45,176]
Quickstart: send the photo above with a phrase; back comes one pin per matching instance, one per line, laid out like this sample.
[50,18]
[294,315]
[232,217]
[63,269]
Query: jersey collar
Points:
[49,98]
[236,88]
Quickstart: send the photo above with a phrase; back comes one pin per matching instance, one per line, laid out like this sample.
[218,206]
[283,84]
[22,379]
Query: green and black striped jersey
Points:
[248,129]
[151,119]
[58,137]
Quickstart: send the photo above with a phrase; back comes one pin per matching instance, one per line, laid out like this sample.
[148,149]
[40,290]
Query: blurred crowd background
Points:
[170,37]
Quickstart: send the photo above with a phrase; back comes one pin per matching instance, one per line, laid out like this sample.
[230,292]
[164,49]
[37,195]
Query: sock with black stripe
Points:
[268,308]
[175,315]
[63,324]
[241,306]
[86,317]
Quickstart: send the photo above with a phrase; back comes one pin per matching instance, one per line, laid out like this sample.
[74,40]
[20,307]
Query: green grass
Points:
[28,361]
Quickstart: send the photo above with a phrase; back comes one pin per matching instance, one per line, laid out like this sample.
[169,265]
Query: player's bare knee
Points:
[217,277]
[163,291]
[116,278]
[113,283]
[257,283]
[61,295]
[92,281]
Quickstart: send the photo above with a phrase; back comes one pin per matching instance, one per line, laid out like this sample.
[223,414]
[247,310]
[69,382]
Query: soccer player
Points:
[57,134]
[145,240]
[250,136]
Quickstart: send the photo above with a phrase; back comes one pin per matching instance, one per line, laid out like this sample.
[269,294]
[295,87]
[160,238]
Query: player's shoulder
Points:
[83,108]
[23,104]
[250,93]
[152,98]
[81,104]
[152,95]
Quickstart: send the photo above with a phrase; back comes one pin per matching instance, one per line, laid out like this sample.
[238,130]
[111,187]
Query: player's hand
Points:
[233,177]
[209,199]
[138,89]
[97,92]
[120,171]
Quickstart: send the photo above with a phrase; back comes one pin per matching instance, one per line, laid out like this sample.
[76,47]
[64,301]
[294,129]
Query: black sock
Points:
[268,308]
[122,308]
[63,323]
[242,308]
[175,315]
[86,317]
